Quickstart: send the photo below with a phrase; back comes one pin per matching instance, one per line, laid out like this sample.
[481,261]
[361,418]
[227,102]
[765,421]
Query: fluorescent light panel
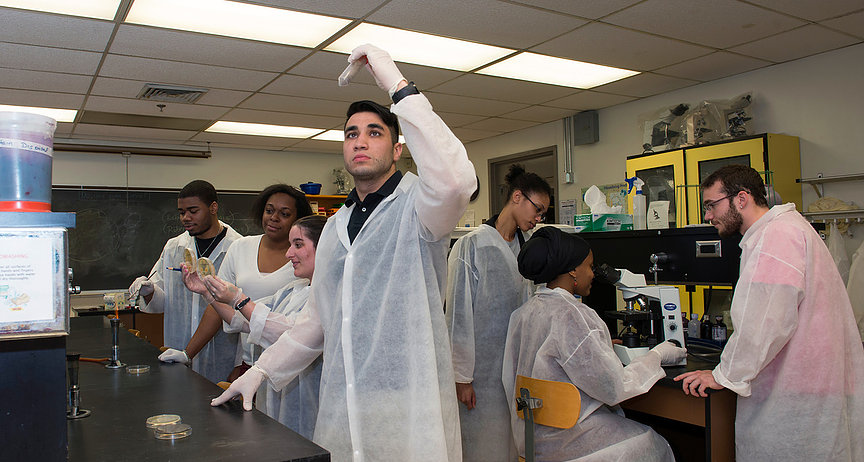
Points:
[419,48]
[241,20]
[282,131]
[99,9]
[60,115]
[338,135]
[535,67]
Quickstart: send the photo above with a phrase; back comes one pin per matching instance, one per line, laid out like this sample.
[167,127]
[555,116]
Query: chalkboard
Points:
[119,234]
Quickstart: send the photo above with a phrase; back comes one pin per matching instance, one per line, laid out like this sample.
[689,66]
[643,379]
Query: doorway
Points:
[543,162]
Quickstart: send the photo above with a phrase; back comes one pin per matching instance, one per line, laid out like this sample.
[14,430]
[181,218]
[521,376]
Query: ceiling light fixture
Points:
[99,9]
[535,67]
[233,19]
[60,115]
[420,48]
[282,131]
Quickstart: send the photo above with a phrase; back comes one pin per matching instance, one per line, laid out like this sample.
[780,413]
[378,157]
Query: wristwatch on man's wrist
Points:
[407,90]
[239,306]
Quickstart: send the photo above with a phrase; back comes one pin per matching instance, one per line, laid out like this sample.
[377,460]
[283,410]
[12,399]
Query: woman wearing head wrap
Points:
[483,287]
[554,336]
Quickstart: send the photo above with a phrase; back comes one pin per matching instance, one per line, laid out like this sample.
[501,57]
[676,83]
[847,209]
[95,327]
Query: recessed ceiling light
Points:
[339,135]
[60,115]
[282,131]
[233,19]
[535,67]
[100,9]
[419,48]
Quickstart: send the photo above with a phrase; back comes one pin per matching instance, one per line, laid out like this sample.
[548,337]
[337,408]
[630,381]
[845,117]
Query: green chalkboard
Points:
[119,234]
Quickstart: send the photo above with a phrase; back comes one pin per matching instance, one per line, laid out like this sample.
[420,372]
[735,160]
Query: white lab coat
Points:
[837,249]
[240,268]
[556,337]
[483,288]
[855,288]
[376,311]
[183,308]
[296,404]
[795,359]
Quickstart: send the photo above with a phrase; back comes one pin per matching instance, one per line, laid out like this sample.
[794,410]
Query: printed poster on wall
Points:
[26,280]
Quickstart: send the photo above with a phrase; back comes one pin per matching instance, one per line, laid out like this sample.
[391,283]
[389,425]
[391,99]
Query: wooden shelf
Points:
[325,196]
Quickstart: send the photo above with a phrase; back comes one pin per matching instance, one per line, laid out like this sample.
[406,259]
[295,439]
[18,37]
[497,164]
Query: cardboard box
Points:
[603,222]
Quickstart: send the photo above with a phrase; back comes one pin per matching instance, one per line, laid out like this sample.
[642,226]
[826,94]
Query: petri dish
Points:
[205,267]
[172,431]
[138,369]
[190,261]
[162,419]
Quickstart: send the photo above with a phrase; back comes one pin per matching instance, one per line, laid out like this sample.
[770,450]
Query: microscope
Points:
[652,314]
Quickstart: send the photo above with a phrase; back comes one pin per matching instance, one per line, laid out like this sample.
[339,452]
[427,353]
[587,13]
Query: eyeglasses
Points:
[709,206]
[540,213]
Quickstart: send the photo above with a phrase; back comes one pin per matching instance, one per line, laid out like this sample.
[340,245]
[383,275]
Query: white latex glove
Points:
[223,291]
[174,356]
[380,65]
[140,286]
[246,385]
[669,353]
[193,282]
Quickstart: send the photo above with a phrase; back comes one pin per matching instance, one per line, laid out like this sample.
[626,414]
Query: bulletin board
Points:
[119,234]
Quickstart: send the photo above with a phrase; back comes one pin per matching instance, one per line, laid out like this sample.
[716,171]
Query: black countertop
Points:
[120,404]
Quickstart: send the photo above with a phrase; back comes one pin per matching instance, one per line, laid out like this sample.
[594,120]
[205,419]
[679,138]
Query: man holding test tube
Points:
[164,292]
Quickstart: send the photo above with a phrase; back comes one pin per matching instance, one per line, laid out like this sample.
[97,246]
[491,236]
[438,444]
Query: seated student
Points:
[266,319]
[554,336]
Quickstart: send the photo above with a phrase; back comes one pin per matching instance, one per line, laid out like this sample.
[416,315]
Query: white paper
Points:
[467,219]
[567,210]
[658,215]
[26,280]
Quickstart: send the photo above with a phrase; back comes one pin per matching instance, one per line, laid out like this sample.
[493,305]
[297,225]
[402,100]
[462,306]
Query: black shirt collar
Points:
[491,222]
[385,190]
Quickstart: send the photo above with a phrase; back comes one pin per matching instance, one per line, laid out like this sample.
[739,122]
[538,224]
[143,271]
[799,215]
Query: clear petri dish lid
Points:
[162,419]
[138,369]
[172,431]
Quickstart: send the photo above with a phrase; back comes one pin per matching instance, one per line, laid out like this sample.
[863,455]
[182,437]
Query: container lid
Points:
[162,419]
[172,431]
[138,369]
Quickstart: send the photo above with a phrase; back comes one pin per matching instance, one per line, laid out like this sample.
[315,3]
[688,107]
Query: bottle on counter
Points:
[718,330]
[705,327]
[685,324]
[693,326]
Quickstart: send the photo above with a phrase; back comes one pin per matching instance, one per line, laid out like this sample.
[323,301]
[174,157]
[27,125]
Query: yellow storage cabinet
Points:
[662,173]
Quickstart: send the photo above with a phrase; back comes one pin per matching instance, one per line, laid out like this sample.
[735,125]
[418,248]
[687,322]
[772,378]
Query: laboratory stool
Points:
[545,402]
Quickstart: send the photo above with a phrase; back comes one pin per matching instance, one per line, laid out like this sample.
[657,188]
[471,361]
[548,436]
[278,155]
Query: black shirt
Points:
[364,208]
[491,222]
[205,247]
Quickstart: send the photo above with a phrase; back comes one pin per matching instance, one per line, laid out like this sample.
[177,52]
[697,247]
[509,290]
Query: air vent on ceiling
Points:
[171,93]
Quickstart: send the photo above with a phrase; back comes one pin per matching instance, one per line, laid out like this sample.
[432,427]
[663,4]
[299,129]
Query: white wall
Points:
[820,99]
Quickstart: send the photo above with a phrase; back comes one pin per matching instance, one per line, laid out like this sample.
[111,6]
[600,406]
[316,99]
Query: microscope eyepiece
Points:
[606,273]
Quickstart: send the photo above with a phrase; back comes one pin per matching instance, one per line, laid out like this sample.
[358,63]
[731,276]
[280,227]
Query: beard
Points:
[369,172]
[730,223]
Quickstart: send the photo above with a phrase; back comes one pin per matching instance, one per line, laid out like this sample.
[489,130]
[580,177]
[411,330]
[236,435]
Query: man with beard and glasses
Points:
[795,359]
[163,291]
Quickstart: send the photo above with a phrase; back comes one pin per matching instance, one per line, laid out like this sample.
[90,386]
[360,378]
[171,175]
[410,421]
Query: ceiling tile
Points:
[54,30]
[141,107]
[295,104]
[311,87]
[131,133]
[40,99]
[467,135]
[458,120]
[514,26]
[519,91]
[851,24]
[328,65]
[247,140]
[352,9]
[284,118]
[585,8]
[813,10]
[588,100]
[45,81]
[130,88]
[149,42]
[798,43]
[645,84]
[500,124]
[540,114]
[176,73]
[719,23]
[472,106]
[618,47]
[714,66]
[331,147]
[63,129]
[36,58]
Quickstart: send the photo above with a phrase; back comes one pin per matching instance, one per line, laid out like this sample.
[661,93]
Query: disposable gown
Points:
[837,249]
[855,288]
[387,385]
[483,288]
[240,268]
[296,404]
[183,308]
[795,359]
[555,337]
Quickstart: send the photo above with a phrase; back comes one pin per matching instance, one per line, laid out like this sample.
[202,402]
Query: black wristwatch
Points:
[407,90]
[242,303]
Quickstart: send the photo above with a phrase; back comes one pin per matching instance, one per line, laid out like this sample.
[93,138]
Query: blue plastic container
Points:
[311,188]
[26,154]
